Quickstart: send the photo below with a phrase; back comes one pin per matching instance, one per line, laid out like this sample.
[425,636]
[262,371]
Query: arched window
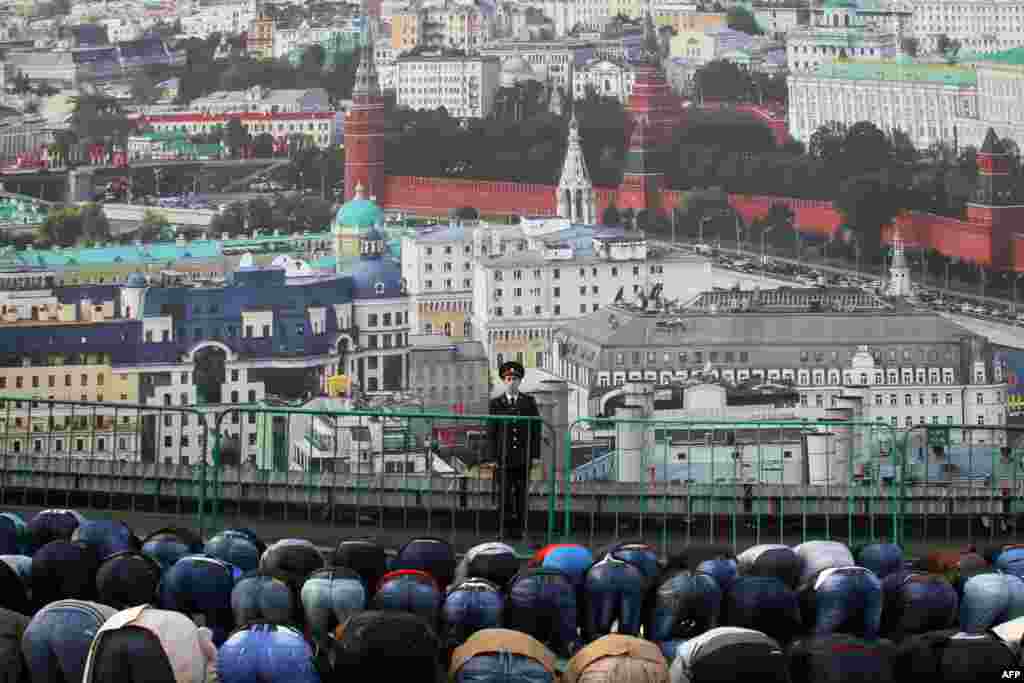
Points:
[379,288]
[467,329]
[448,329]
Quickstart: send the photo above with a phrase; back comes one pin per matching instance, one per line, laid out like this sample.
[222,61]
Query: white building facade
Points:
[839,32]
[465,86]
[922,100]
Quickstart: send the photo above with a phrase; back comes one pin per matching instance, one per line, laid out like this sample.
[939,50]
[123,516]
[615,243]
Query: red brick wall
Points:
[949,236]
[972,239]
[436,196]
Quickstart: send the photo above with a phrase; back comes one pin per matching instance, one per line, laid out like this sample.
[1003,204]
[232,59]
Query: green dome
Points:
[840,4]
[357,216]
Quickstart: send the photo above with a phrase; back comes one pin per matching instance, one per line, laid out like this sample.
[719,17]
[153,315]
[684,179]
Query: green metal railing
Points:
[394,474]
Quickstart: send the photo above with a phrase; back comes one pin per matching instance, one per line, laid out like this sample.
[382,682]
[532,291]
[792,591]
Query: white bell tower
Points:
[899,270]
[575,191]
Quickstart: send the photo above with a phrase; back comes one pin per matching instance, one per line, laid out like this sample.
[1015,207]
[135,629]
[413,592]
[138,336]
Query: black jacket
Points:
[512,442]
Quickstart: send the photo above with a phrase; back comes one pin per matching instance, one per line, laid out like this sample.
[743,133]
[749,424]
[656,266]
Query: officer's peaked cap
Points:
[512,368]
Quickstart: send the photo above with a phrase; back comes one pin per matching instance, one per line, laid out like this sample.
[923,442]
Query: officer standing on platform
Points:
[515,444]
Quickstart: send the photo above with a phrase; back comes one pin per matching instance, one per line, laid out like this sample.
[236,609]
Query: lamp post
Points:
[764,250]
[1013,287]
[700,232]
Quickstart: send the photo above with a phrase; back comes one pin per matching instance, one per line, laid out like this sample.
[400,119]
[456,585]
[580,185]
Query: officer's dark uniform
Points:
[514,446]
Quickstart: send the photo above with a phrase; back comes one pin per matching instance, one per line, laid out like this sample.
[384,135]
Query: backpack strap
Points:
[492,640]
[612,645]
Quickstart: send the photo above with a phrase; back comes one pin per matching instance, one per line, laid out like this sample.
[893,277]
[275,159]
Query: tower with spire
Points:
[365,124]
[899,269]
[575,189]
[653,114]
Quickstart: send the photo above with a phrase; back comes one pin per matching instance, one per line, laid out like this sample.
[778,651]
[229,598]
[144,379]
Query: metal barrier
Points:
[963,482]
[432,473]
[102,455]
[673,482]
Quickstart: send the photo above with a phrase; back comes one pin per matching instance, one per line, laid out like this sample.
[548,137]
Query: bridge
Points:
[80,183]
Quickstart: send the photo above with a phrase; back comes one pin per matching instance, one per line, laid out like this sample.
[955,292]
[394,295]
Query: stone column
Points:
[553,401]
[631,439]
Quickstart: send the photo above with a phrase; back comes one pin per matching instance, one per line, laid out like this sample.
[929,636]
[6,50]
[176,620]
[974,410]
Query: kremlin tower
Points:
[365,126]
[653,113]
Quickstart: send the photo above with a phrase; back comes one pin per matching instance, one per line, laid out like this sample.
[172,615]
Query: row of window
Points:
[556,273]
[19,381]
[384,320]
[57,445]
[467,283]
[539,310]
[467,249]
[385,341]
[447,329]
[447,267]
[248,331]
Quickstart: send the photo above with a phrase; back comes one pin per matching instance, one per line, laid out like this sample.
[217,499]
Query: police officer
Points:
[515,444]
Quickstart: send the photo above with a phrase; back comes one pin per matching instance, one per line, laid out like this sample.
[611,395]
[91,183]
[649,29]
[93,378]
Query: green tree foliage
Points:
[740,19]
[867,204]
[721,79]
[826,143]
[154,224]
[232,219]
[236,137]
[69,226]
[203,75]
[910,46]
[98,118]
[611,216]
[946,47]
[263,146]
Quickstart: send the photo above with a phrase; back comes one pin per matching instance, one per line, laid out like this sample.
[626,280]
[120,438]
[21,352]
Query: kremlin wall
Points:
[987,235]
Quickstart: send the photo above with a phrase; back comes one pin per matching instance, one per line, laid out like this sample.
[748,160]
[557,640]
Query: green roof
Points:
[1012,57]
[942,74]
[840,4]
[359,213]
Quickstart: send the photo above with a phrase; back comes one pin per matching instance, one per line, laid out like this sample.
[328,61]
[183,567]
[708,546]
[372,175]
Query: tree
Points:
[780,216]
[467,213]
[903,149]
[723,80]
[144,89]
[260,213]
[946,46]
[910,46]
[867,204]
[865,148]
[231,220]
[263,146]
[826,143]
[740,19]
[69,226]
[610,216]
[98,118]
[236,137]
[95,226]
[153,225]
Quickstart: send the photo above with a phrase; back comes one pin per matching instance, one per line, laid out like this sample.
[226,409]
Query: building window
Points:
[371,320]
[949,399]
[234,397]
[980,397]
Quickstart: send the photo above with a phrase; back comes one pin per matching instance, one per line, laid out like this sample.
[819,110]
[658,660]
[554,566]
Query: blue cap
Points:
[266,653]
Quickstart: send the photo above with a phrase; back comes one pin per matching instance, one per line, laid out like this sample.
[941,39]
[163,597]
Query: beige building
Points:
[445,373]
